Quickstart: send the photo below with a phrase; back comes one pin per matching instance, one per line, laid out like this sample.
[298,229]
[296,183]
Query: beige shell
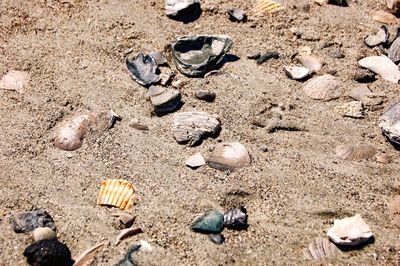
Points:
[351,231]
[41,233]
[394,211]
[321,248]
[384,17]
[192,127]
[355,152]
[382,66]
[312,63]
[116,192]
[15,80]
[324,88]
[229,156]
[267,6]
[352,109]
[69,134]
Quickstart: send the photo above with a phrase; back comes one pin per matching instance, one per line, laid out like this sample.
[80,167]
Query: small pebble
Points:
[205,95]
[41,233]
[218,239]
[254,55]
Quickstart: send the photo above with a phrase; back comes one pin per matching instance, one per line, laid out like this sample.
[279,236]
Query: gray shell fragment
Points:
[143,69]
[394,51]
[236,14]
[28,221]
[389,122]
[164,100]
[195,56]
[381,36]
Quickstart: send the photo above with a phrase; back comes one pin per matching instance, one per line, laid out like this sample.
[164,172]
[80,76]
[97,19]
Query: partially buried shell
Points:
[192,127]
[382,66]
[324,88]
[380,37]
[195,56]
[236,14]
[355,152]
[163,99]
[229,156]
[143,69]
[69,134]
[116,192]
[211,222]
[296,73]
[321,248]
[394,211]
[267,6]
[389,122]
[15,80]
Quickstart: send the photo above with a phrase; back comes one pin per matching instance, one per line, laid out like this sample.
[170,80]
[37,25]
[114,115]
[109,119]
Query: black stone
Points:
[48,253]
[29,221]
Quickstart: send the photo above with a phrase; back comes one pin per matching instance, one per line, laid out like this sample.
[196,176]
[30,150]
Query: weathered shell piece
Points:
[363,94]
[229,156]
[352,109]
[267,6]
[355,152]
[393,5]
[41,233]
[164,100]
[381,36]
[394,211]
[116,192]
[324,88]
[236,219]
[15,80]
[389,122]
[195,161]
[86,257]
[351,231]
[394,51]
[321,248]
[143,69]
[382,66]
[296,73]
[174,8]
[236,14]
[192,127]
[312,63]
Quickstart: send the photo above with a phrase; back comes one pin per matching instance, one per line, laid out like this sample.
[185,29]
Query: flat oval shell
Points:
[351,231]
[321,248]
[312,63]
[143,69]
[211,222]
[389,122]
[218,239]
[229,156]
[15,80]
[355,152]
[394,211]
[116,192]
[381,36]
[296,73]
[324,88]
[382,66]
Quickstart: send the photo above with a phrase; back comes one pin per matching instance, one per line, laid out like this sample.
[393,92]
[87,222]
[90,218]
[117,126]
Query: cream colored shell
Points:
[116,192]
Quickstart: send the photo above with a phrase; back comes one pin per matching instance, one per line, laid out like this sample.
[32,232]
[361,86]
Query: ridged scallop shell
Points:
[394,211]
[229,156]
[267,6]
[321,248]
[355,152]
[116,192]
[389,122]
[382,66]
[192,127]
[14,80]
[324,88]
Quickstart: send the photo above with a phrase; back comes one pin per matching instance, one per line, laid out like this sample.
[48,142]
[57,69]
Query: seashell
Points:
[195,161]
[321,248]
[389,122]
[380,37]
[195,56]
[48,252]
[159,58]
[352,109]
[296,73]
[28,221]
[116,192]
[313,64]
[175,8]
[364,94]
[69,134]
[267,56]
[394,51]
[211,222]
[86,257]
[164,100]
[355,152]
[236,219]
[205,95]
[324,88]
[394,211]
[237,15]
[128,258]
[143,69]
[15,80]
[125,233]
[41,233]
[393,5]
[267,6]
[351,231]
[229,156]
[218,239]
[384,17]
[123,220]
[382,158]
[192,127]
[382,66]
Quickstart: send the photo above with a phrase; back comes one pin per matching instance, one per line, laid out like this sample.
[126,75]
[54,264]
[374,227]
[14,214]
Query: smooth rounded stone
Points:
[195,161]
[229,156]
[380,37]
[211,222]
[205,95]
[321,248]
[312,63]
[143,69]
[394,211]
[352,109]
[351,231]
[355,152]
[254,55]
[382,158]
[384,17]
[366,96]
[267,56]
[236,219]
[324,88]
[48,252]
[28,221]
[15,80]
[159,57]
[394,51]
[218,239]
[237,15]
[382,66]
[296,73]
[363,75]
[192,127]
[41,233]
[389,123]
[164,100]
[174,8]
[195,56]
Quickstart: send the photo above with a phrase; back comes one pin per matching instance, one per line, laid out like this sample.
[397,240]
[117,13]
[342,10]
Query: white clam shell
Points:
[173,7]
[195,161]
[312,63]
[351,231]
[15,80]
[324,88]
[382,66]
[296,73]
[229,156]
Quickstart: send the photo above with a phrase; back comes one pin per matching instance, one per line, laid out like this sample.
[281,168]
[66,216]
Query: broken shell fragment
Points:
[123,220]
[296,73]
[355,152]
[382,158]
[389,122]
[211,222]
[143,69]
[267,6]
[394,51]
[394,211]
[164,100]
[48,252]
[125,233]
[116,192]
[159,58]
[218,239]
[174,8]
[86,257]
[313,64]
[351,231]
[195,161]
[382,66]
[380,37]
[237,15]
[69,134]
[324,88]
[365,95]
[15,80]
[321,248]
[352,109]
[195,56]
[41,233]
[229,156]
[267,56]
[236,219]
[28,221]
[384,17]
[192,127]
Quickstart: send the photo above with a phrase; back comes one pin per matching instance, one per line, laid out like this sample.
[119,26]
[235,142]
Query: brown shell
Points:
[355,152]
[321,248]
[394,211]
[324,88]
[116,192]
[267,6]
[229,156]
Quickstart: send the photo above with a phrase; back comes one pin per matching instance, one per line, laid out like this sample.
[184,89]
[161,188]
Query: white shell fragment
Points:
[175,7]
[324,88]
[296,73]
[352,109]
[312,63]
[355,152]
[381,36]
[382,66]
[351,231]
[389,122]
[195,161]
[229,156]
[192,127]
[321,248]
[41,233]
[87,256]
[15,80]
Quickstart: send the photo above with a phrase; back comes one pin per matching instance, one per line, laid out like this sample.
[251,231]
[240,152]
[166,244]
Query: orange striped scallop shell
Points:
[116,192]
